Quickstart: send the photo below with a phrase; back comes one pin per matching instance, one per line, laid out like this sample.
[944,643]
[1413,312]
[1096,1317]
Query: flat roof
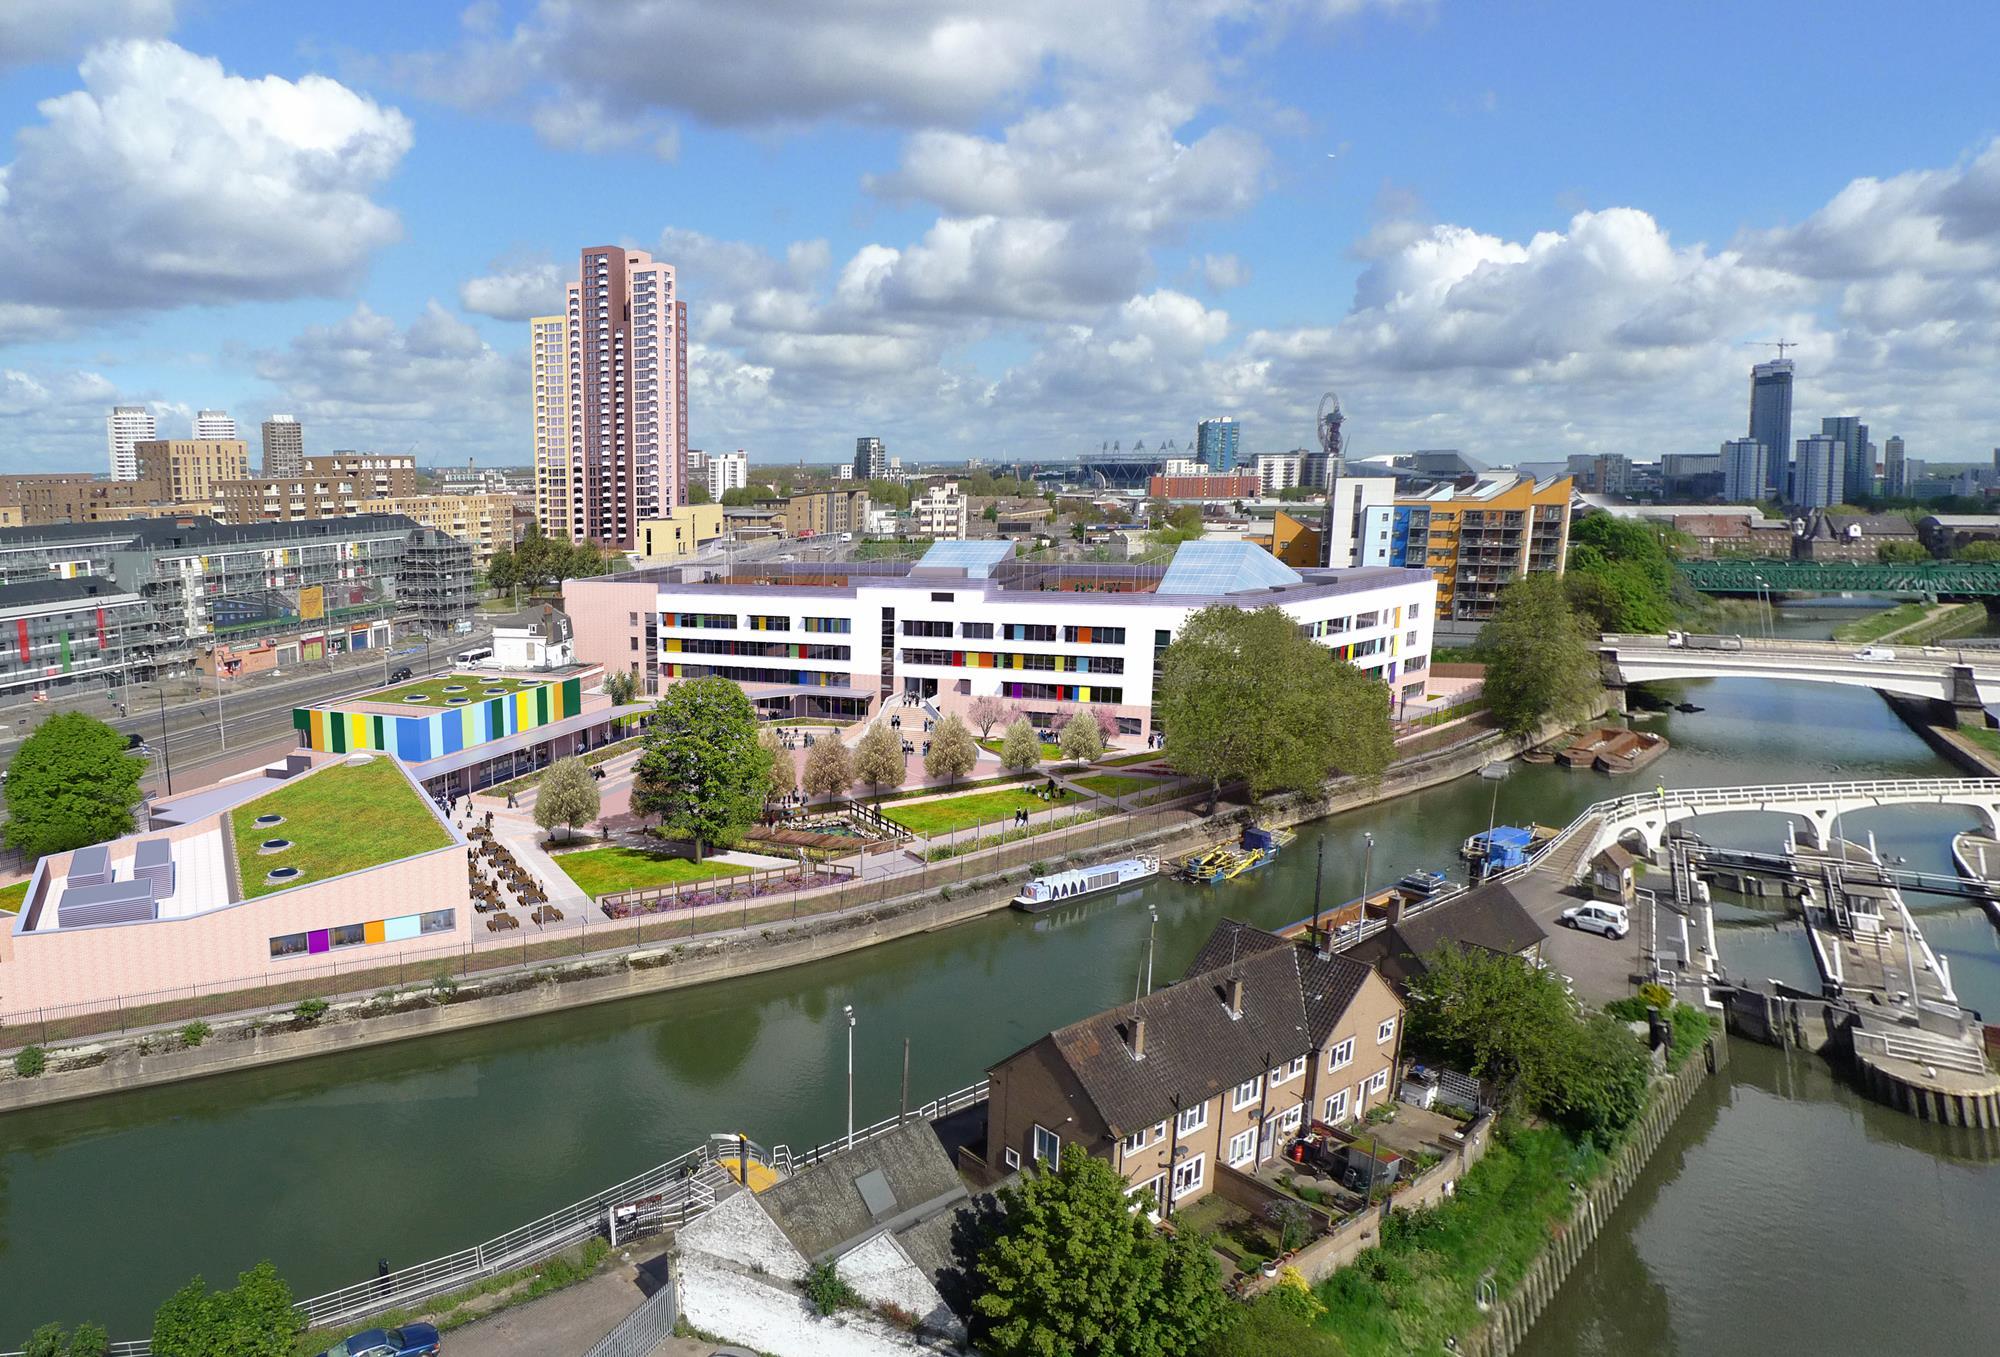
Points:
[512,744]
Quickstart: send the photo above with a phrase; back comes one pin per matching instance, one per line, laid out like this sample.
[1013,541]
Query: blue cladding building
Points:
[1216,443]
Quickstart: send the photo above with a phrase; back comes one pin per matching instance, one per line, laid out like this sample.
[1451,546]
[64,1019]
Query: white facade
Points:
[548,361]
[1355,499]
[941,513]
[844,472]
[955,638]
[1183,466]
[126,427]
[727,471]
[214,424]
[1278,471]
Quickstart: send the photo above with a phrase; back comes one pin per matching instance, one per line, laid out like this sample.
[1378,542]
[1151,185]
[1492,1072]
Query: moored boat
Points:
[1060,888]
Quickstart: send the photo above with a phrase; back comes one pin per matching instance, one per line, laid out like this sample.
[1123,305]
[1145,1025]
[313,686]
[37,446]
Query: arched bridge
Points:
[1964,679]
[1647,816]
[1934,579]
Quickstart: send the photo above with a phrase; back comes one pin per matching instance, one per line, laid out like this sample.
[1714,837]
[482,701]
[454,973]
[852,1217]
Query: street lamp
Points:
[1150,930]
[166,757]
[848,1009]
[1367,868]
[1492,812]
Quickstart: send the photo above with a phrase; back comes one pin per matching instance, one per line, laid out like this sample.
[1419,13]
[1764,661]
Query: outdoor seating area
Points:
[499,883]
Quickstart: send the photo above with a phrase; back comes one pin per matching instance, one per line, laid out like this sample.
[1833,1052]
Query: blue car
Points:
[412,1340]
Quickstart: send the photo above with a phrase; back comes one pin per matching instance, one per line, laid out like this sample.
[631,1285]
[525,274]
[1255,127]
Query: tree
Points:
[1540,662]
[1902,553]
[1080,741]
[1250,698]
[535,557]
[1630,562]
[987,711]
[621,686]
[1020,748]
[1978,551]
[701,770]
[503,572]
[698,493]
[254,1318]
[952,753]
[878,758]
[1493,1017]
[829,768]
[1107,723]
[784,771]
[743,496]
[71,783]
[1073,1268]
[567,798]
[51,1340]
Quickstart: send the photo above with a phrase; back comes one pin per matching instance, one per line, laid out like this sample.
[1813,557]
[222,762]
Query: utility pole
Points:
[221,732]
[1319,877]
[1151,929]
[848,1009]
[166,755]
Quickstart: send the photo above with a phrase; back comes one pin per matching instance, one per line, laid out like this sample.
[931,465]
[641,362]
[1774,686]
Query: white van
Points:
[1875,654]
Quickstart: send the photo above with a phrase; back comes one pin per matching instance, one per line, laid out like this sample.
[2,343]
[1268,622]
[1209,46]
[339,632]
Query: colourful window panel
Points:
[319,940]
[400,929]
[372,931]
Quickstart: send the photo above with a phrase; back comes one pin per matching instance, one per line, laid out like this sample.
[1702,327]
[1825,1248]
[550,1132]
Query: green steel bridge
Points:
[1932,579]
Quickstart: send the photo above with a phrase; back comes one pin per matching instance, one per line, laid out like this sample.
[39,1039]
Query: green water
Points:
[410,1151]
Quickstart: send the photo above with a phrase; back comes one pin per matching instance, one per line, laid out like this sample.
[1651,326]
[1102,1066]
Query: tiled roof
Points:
[822,1210]
[1489,917]
[1195,1047]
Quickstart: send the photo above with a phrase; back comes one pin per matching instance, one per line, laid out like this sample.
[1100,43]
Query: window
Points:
[437,921]
[1192,1119]
[1379,1082]
[919,628]
[1048,1145]
[942,598]
[1159,1133]
[1290,1071]
[1340,1055]
[1289,1119]
[1336,1108]
[1242,1148]
[634,640]
[1385,1031]
[291,944]
[1012,1156]
[1188,1175]
[1246,1093]
[349,935]
[976,631]
[1136,1141]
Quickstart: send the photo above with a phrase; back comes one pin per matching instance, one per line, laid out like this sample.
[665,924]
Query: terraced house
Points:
[1213,1074]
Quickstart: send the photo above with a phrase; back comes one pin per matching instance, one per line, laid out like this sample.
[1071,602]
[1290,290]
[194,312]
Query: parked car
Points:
[1875,654]
[412,1340]
[1609,920]
[402,675]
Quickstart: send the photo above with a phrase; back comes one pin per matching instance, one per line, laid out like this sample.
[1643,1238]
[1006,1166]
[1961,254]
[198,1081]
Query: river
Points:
[412,1150]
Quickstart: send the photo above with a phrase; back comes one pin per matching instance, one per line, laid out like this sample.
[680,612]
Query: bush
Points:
[30,1061]
[827,1292]
[195,1033]
[309,1011]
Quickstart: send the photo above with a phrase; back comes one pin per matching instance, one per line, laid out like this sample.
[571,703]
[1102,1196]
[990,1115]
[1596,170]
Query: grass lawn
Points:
[1144,756]
[1877,625]
[12,896]
[957,812]
[1050,753]
[1115,785]
[339,819]
[602,871]
[434,689]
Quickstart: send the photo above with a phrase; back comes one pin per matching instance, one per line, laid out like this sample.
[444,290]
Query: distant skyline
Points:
[989,232]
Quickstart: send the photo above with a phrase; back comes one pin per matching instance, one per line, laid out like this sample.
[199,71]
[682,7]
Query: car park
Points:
[1612,921]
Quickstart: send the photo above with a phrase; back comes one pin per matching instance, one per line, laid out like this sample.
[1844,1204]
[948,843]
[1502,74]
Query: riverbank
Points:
[262,1037]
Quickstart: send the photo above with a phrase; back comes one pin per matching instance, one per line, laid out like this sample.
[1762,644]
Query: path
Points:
[570,1321]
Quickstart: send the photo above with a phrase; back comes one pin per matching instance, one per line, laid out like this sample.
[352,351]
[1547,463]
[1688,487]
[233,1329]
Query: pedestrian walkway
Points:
[569,1321]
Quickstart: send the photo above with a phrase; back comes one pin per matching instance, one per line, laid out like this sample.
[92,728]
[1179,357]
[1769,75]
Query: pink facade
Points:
[609,622]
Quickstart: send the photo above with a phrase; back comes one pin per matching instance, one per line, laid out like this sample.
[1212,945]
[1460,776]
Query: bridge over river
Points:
[1929,579]
[1964,680]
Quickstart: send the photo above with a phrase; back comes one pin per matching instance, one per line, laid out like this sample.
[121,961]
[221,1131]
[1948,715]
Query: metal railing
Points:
[1920,1049]
[645,1328]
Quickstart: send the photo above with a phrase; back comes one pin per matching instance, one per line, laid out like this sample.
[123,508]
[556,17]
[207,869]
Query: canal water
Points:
[410,1151]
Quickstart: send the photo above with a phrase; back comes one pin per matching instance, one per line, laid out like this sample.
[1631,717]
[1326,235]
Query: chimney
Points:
[1396,905]
[1235,998]
[1137,1033]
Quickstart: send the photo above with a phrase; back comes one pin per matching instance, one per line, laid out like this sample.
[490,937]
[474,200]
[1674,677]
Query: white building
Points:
[535,638]
[126,427]
[727,471]
[1183,466]
[968,621]
[881,521]
[1353,499]
[1278,471]
[214,424]
[844,472]
[940,513]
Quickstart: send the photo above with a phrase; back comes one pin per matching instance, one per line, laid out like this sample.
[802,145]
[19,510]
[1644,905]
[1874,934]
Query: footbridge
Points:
[1645,818]
[1928,579]
[1964,680]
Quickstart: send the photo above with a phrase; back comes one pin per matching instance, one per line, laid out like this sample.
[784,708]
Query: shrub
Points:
[827,1292]
[309,1011]
[443,986]
[30,1061]
[195,1033]
[1656,995]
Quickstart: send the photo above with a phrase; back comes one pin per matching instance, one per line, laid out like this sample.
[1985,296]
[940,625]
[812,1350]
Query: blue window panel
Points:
[452,729]
[399,929]
[411,746]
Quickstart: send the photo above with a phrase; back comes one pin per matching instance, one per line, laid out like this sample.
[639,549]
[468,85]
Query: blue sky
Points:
[1525,230]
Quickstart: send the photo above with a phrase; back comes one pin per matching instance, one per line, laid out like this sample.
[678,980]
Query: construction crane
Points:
[1779,344]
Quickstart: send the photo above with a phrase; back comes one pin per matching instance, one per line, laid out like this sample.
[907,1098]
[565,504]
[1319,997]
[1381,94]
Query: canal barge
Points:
[1061,888]
[1258,847]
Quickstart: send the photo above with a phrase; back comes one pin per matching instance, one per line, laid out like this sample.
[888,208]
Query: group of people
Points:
[790,737]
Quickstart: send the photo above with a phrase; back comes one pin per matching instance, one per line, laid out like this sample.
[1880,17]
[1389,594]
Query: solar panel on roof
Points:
[1224,568]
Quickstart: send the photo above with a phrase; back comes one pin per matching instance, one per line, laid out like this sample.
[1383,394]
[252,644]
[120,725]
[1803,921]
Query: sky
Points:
[1010,231]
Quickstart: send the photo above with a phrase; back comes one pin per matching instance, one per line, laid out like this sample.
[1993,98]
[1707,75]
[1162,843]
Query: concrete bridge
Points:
[1646,817]
[1962,680]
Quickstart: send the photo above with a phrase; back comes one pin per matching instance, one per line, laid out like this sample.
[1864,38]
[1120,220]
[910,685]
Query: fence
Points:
[720,890]
[645,1328]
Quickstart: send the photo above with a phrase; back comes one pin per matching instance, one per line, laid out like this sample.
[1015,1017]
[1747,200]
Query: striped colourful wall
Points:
[421,736]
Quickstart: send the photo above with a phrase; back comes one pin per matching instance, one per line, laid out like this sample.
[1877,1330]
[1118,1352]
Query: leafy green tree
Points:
[1080,740]
[893,494]
[1603,1087]
[1978,552]
[743,496]
[535,557]
[621,686]
[566,797]
[784,771]
[1902,553]
[829,768]
[878,758]
[987,711]
[1073,1269]
[1251,698]
[1020,747]
[701,770]
[952,753]
[71,783]
[1541,663]
[254,1318]
[1630,561]
[1494,1017]
[698,493]
[52,1340]
[503,572]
